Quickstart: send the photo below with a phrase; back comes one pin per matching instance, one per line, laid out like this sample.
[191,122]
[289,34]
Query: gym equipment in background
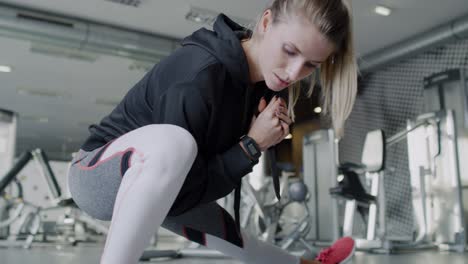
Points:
[435,181]
[7,139]
[22,219]
[284,223]
[370,205]
[8,121]
[447,90]
[320,161]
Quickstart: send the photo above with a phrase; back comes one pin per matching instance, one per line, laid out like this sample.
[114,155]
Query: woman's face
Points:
[290,50]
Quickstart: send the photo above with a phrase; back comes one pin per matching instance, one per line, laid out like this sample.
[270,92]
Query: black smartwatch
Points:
[251,146]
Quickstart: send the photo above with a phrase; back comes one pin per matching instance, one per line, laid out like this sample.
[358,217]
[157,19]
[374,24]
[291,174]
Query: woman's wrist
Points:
[245,151]
[250,148]
[254,138]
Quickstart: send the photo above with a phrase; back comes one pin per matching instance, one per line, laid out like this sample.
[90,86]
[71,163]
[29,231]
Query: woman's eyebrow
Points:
[299,51]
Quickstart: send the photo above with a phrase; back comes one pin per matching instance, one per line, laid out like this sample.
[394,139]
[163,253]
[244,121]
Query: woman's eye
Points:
[310,65]
[289,52]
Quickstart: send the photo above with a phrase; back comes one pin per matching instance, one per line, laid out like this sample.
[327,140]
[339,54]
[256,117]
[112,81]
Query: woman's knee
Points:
[172,139]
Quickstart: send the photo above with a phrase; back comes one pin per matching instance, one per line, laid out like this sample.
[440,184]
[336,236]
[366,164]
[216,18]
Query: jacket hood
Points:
[223,42]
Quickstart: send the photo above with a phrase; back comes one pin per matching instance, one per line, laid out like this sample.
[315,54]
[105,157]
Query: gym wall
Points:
[386,99]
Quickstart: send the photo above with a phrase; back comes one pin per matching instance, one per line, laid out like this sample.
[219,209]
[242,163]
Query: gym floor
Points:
[90,253]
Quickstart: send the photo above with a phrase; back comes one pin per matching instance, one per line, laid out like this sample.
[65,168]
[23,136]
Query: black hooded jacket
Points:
[203,87]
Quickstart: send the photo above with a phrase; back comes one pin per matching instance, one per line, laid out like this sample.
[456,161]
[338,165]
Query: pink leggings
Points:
[134,180]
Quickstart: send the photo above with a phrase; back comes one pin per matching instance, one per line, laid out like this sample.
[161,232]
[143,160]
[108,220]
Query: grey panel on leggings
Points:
[387,98]
[95,191]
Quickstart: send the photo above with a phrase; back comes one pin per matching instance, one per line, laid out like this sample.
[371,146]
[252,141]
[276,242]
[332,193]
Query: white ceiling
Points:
[108,78]
[166,17]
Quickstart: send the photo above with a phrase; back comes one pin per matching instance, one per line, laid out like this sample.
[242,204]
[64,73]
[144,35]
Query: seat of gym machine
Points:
[350,187]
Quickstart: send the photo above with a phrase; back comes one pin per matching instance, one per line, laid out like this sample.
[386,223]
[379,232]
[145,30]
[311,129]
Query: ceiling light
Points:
[38,92]
[382,10]
[289,136]
[134,3]
[201,16]
[208,17]
[4,68]
[318,110]
[33,118]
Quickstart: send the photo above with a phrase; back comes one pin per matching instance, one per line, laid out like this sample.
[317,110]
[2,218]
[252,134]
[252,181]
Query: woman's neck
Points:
[252,60]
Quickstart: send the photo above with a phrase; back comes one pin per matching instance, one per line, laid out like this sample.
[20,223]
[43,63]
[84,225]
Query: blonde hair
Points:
[338,74]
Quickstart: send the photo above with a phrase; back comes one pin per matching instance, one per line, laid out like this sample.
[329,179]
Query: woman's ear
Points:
[266,21]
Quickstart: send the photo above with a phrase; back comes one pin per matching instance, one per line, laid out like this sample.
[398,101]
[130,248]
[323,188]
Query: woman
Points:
[186,134]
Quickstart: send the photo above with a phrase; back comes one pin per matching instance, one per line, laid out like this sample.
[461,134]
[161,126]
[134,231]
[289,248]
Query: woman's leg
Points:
[159,157]
[210,225]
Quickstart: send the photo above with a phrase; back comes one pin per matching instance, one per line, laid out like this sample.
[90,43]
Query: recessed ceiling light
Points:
[38,119]
[134,3]
[39,92]
[4,68]
[318,110]
[202,16]
[208,17]
[382,10]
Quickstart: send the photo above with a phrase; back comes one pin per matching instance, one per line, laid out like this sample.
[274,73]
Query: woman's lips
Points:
[283,83]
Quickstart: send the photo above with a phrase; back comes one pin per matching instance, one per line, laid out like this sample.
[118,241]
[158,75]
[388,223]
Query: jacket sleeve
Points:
[184,105]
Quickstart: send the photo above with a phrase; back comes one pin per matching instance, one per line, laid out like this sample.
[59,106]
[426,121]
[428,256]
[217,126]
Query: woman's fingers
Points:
[282,102]
[283,117]
[284,132]
[262,105]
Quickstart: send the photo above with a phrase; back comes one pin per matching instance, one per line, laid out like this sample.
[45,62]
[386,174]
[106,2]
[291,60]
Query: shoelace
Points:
[325,255]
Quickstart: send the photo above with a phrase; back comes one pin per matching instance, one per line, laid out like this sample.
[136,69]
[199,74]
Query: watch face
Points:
[252,149]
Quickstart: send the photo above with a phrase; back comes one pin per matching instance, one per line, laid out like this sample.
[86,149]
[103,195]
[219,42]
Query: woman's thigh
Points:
[95,177]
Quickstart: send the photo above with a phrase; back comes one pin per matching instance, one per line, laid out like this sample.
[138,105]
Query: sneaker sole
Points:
[348,259]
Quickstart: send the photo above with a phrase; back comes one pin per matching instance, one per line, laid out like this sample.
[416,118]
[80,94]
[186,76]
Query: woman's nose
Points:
[294,71]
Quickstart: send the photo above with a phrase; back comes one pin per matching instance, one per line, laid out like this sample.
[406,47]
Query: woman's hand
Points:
[272,124]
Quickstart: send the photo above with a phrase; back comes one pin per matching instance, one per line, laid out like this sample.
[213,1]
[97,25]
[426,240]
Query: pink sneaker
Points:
[339,253]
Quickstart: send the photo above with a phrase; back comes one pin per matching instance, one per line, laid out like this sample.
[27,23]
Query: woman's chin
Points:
[274,87]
